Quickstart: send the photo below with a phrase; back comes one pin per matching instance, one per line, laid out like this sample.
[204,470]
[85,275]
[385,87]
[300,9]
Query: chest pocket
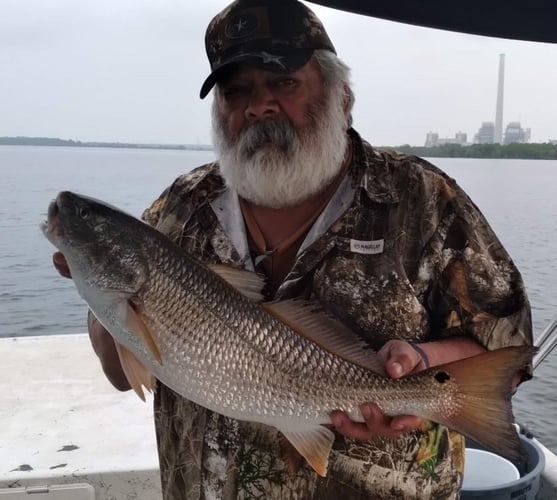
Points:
[372,295]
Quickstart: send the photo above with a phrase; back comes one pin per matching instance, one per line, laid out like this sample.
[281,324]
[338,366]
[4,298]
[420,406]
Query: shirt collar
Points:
[226,207]
[368,173]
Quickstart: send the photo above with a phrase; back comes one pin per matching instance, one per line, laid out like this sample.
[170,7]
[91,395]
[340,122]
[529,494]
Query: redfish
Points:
[204,331]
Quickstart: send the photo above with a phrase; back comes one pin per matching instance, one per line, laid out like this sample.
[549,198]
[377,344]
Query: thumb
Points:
[402,360]
[395,368]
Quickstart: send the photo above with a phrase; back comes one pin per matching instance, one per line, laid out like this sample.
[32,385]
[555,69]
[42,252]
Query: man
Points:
[387,243]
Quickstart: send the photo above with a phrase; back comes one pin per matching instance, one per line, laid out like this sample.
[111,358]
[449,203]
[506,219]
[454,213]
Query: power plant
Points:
[500,95]
[489,132]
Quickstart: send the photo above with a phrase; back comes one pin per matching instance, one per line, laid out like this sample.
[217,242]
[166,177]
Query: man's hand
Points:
[105,348]
[400,359]
[61,265]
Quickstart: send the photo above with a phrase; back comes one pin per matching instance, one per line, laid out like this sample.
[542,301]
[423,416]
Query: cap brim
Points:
[285,62]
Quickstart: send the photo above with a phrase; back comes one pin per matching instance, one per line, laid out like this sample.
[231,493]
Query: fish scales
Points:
[249,361]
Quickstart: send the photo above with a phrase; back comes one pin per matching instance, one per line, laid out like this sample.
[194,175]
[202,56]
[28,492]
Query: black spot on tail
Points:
[442,377]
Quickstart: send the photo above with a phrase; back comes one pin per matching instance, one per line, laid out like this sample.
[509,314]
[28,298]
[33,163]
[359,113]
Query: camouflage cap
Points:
[278,35]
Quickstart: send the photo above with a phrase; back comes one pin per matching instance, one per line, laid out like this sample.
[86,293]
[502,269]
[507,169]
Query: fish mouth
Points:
[52,224]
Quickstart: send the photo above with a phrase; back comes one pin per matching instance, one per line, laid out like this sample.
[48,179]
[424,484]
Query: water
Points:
[517,196]
[33,299]
[519,199]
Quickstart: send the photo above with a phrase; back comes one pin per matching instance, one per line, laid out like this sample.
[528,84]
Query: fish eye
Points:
[83,213]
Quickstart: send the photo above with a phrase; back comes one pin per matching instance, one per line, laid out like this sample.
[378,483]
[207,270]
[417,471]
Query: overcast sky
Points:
[130,71]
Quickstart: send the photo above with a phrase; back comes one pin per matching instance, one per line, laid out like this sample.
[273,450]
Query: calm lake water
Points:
[517,196]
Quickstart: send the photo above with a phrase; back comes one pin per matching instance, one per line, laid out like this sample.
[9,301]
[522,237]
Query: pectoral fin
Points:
[314,445]
[135,323]
[138,376]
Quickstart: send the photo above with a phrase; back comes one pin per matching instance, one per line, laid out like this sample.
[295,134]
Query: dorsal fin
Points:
[310,320]
[247,283]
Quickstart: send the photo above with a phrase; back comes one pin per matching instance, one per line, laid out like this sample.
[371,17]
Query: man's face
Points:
[250,95]
[280,138]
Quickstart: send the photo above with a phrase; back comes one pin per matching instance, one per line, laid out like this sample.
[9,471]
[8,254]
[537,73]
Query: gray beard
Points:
[273,164]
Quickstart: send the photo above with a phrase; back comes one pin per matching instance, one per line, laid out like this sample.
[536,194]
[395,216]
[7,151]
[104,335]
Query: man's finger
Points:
[349,428]
[406,423]
[402,361]
[377,422]
[373,416]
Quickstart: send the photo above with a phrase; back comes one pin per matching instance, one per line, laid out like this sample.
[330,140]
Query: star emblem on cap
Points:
[270,58]
[241,25]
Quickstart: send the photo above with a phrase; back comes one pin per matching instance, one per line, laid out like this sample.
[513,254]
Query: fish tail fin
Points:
[485,388]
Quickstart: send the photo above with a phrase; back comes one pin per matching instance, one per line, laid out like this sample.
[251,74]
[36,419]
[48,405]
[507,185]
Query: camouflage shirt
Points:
[400,252]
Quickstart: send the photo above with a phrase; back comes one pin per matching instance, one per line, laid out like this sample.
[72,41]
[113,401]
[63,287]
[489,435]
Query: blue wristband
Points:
[422,354]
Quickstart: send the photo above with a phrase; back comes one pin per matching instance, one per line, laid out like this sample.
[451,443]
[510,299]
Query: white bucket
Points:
[484,470]
[491,477]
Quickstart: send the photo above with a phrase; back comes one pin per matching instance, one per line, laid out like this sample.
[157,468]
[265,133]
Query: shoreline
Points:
[514,151]
[54,142]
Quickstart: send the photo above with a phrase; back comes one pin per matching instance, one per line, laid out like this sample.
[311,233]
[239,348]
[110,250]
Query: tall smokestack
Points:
[499,110]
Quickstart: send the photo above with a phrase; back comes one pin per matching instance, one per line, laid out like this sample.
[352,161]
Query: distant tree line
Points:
[534,151]
[48,141]
[37,141]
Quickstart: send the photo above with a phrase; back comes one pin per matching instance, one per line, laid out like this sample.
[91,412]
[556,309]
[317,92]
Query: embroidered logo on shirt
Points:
[367,247]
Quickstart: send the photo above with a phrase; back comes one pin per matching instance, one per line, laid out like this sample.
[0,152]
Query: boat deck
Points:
[62,422]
